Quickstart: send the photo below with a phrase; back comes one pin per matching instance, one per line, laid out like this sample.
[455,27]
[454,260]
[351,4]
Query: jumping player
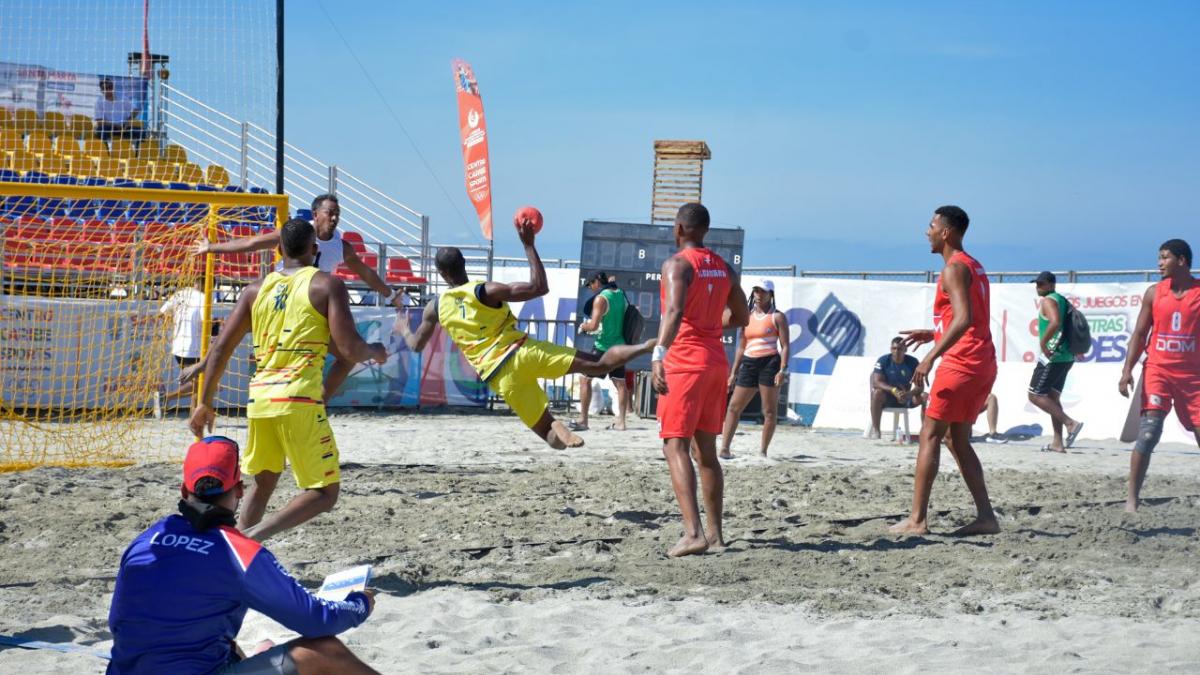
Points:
[476,316]
[962,338]
[689,370]
[332,251]
[293,313]
[1168,330]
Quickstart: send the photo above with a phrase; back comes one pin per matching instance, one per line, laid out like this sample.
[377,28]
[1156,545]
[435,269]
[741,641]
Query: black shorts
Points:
[617,373]
[758,371]
[186,361]
[1049,377]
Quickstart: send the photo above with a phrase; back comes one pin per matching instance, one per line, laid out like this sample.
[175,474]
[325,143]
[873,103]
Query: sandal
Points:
[1072,435]
[576,426]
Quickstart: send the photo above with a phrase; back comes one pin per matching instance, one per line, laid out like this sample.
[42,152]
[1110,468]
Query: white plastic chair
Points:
[896,417]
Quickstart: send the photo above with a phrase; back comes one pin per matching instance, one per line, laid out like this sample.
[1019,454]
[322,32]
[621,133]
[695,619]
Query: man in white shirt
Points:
[113,115]
[185,307]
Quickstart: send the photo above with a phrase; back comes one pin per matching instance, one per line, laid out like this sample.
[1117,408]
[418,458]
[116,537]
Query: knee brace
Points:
[1149,431]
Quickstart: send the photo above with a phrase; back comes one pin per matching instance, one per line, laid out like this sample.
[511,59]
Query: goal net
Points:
[104,300]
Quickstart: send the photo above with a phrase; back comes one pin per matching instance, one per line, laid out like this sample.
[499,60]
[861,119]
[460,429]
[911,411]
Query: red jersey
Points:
[974,351]
[1176,330]
[697,346]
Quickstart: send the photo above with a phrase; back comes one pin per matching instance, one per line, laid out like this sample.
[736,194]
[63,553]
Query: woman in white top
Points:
[759,367]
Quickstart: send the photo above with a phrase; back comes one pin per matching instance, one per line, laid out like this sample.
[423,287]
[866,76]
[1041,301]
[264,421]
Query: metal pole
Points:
[425,257]
[279,97]
[243,172]
[491,257]
[333,179]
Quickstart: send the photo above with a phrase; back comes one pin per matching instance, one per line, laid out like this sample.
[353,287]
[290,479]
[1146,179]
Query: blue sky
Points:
[1069,131]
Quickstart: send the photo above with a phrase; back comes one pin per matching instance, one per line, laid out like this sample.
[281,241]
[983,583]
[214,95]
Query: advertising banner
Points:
[47,90]
[473,131]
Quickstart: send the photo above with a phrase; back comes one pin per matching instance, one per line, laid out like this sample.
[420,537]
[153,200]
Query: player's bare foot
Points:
[716,543]
[1131,506]
[979,526]
[560,437]
[616,426]
[725,454]
[909,527]
[688,546]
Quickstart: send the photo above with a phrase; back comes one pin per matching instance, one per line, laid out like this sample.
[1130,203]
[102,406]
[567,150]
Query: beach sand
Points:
[493,553]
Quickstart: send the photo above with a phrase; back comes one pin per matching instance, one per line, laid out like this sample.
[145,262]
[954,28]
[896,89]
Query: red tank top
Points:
[974,351]
[697,346]
[1173,341]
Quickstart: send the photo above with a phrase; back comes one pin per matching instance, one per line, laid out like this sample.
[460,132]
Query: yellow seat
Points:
[37,143]
[54,165]
[165,171]
[216,175]
[191,173]
[121,148]
[55,123]
[175,154]
[107,167]
[81,165]
[20,160]
[95,148]
[24,120]
[149,150]
[81,126]
[6,118]
[139,169]
[10,140]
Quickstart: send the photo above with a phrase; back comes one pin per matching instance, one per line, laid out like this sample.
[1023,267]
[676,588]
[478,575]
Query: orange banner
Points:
[474,143]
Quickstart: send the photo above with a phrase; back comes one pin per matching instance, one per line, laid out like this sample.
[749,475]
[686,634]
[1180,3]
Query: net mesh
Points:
[102,289]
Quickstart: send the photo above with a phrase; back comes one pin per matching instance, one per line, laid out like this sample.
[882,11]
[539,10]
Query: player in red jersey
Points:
[689,367]
[962,338]
[1168,330]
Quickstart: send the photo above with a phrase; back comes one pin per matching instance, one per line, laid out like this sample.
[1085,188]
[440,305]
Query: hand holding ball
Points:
[530,215]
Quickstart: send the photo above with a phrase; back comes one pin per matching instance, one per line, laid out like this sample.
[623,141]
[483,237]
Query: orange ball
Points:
[531,214]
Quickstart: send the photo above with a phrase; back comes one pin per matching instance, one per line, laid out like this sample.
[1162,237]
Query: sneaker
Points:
[994,438]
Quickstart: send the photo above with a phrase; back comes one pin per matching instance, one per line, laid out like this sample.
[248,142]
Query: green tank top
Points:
[1059,348]
[612,325]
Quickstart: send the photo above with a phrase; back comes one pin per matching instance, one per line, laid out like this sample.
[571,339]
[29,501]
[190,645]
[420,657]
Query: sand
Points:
[495,554]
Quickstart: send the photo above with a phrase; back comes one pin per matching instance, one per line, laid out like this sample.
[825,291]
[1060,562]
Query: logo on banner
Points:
[473,119]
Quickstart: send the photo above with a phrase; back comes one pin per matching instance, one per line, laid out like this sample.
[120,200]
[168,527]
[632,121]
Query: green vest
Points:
[612,324]
[1060,350]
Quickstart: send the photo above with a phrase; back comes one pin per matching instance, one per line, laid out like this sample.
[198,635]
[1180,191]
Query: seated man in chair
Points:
[892,386]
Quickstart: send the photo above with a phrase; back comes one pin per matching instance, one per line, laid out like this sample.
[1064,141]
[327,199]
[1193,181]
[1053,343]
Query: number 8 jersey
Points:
[1172,343]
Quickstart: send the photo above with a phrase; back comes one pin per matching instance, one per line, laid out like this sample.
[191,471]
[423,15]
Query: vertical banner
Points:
[473,132]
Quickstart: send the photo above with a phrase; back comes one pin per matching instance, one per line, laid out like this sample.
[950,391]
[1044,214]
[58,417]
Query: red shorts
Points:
[694,402]
[957,396]
[1162,387]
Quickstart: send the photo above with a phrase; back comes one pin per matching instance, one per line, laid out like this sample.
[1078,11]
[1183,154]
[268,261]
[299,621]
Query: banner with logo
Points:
[473,131]
[48,90]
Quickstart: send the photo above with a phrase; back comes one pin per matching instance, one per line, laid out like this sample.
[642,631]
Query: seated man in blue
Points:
[185,584]
[892,385]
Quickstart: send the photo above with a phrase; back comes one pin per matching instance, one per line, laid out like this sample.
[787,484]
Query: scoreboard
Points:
[634,253]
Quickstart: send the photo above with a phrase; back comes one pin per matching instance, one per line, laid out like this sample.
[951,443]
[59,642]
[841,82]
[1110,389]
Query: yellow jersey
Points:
[290,340]
[485,335]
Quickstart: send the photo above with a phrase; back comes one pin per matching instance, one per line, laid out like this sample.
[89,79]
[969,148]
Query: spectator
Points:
[607,322]
[114,116]
[892,385]
[184,307]
[185,584]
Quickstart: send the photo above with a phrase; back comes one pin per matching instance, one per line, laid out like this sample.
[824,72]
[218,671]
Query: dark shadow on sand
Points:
[393,585]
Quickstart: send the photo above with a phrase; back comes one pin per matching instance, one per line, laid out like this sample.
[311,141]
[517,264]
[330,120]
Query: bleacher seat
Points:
[6,117]
[138,169]
[10,141]
[38,144]
[356,241]
[122,149]
[24,121]
[165,171]
[54,165]
[175,212]
[191,173]
[54,123]
[95,148]
[175,154]
[110,168]
[81,126]
[147,210]
[400,271]
[148,150]
[216,175]
[344,272]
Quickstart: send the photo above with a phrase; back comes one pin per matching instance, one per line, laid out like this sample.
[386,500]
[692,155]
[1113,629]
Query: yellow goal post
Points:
[101,298]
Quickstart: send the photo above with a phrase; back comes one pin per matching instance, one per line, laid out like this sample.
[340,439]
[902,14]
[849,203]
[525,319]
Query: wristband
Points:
[658,354]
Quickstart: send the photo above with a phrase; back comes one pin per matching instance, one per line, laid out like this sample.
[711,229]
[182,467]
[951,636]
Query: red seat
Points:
[343,272]
[400,271]
[356,242]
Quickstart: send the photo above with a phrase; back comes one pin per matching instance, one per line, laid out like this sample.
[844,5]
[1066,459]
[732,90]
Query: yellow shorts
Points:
[517,380]
[304,437]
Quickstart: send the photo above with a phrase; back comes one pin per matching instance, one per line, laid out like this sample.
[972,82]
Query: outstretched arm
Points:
[259,242]
[495,293]
[232,331]
[369,276]
[342,329]
[429,320]
[1137,341]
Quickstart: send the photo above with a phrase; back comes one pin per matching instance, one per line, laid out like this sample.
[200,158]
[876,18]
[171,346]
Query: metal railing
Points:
[929,276]
[247,151]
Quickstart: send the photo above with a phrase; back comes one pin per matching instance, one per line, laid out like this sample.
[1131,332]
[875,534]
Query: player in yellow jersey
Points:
[476,316]
[291,315]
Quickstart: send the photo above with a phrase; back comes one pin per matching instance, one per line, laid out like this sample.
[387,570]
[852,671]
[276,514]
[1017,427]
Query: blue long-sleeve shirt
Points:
[181,595]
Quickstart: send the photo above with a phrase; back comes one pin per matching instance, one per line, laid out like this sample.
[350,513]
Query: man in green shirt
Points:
[1054,361]
[607,323]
